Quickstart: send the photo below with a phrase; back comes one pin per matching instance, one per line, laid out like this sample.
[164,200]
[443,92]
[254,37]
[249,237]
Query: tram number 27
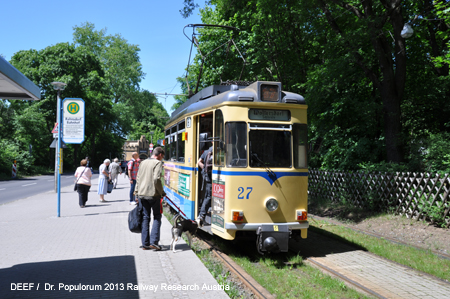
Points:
[244,192]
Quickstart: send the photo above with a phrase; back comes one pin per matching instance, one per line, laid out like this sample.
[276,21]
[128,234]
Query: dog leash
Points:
[176,207]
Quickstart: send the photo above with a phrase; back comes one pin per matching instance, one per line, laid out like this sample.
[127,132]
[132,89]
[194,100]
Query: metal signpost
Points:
[58,86]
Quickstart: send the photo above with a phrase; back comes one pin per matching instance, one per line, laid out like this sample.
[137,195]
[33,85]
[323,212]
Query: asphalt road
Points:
[22,188]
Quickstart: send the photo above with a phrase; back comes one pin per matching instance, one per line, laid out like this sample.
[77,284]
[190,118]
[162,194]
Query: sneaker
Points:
[155,247]
[133,203]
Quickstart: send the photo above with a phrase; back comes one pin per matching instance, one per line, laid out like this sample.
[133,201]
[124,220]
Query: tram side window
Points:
[300,145]
[236,144]
[219,146]
[173,143]
[180,141]
[167,146]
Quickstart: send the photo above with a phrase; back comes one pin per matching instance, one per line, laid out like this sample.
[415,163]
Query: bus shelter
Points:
[14,85]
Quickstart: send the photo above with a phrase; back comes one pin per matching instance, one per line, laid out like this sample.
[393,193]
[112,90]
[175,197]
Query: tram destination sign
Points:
[73,120]
[269,114]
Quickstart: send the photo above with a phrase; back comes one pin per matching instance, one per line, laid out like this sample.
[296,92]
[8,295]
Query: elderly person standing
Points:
[103,179]
[115,170]
[83,175]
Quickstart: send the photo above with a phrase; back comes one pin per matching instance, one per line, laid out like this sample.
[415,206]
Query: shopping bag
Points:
[110,187]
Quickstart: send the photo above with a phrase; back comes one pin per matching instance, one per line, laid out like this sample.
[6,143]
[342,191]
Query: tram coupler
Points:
[272,238]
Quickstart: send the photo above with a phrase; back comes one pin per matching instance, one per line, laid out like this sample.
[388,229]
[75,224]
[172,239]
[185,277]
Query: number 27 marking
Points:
[242,190]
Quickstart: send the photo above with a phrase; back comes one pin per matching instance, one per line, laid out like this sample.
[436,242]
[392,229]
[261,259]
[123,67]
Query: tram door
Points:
[204,131]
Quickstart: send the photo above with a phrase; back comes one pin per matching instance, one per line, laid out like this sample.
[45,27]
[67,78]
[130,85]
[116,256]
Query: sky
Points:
[156,26]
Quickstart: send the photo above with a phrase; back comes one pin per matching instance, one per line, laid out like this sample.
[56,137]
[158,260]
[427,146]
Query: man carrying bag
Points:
[149,191]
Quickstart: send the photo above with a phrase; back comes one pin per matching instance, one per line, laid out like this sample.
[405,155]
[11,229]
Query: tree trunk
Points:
[392,84]
[392,122]
[92,158]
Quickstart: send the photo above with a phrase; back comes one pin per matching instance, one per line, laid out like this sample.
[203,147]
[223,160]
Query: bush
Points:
[383,167]
[437,157]
[10,151]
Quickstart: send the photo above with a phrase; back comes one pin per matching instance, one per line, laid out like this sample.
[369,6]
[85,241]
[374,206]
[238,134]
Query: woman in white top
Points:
[83,175]
[103,179]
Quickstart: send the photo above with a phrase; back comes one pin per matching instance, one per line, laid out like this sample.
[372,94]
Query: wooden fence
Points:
[416,195]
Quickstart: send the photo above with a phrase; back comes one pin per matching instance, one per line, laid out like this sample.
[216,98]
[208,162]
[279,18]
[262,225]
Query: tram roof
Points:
[216,94]
[14,85]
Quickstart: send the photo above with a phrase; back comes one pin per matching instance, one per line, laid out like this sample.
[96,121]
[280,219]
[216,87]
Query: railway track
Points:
[244,277]
[259,291]
[346,262]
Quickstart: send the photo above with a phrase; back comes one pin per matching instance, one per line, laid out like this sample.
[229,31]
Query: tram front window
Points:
[270,148]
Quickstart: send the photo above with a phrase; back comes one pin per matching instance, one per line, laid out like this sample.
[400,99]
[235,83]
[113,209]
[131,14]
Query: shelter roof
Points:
[14,85]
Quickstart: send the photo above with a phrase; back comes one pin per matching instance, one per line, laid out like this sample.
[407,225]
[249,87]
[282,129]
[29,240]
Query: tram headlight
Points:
[271,204]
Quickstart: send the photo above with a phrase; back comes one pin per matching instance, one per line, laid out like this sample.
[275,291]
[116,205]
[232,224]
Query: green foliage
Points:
[443,13]
[119,59]
[436,214]
[383,167]
[372,96]
[10,151]
[437,157]
[188,9]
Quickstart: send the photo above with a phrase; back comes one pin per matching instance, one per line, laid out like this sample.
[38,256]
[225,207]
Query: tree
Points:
[120,60]
[81,70]
[372,96]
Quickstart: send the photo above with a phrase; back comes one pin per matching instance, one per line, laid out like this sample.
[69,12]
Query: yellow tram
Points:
[259,175]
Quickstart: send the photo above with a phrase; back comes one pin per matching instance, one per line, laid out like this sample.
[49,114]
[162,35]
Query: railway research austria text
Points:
[115,287]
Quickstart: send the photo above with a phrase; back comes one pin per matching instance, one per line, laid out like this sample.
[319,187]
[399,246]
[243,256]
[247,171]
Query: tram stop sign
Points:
[73,121]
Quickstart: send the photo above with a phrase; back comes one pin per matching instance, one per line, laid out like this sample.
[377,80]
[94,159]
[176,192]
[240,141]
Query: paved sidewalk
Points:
[90,253]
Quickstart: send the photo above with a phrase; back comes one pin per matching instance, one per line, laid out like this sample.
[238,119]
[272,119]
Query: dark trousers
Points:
[132,186]
[206,201]
[149,206]
[83,191]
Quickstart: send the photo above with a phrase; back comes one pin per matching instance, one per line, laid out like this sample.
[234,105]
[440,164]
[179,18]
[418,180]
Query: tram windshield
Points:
[270,145]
